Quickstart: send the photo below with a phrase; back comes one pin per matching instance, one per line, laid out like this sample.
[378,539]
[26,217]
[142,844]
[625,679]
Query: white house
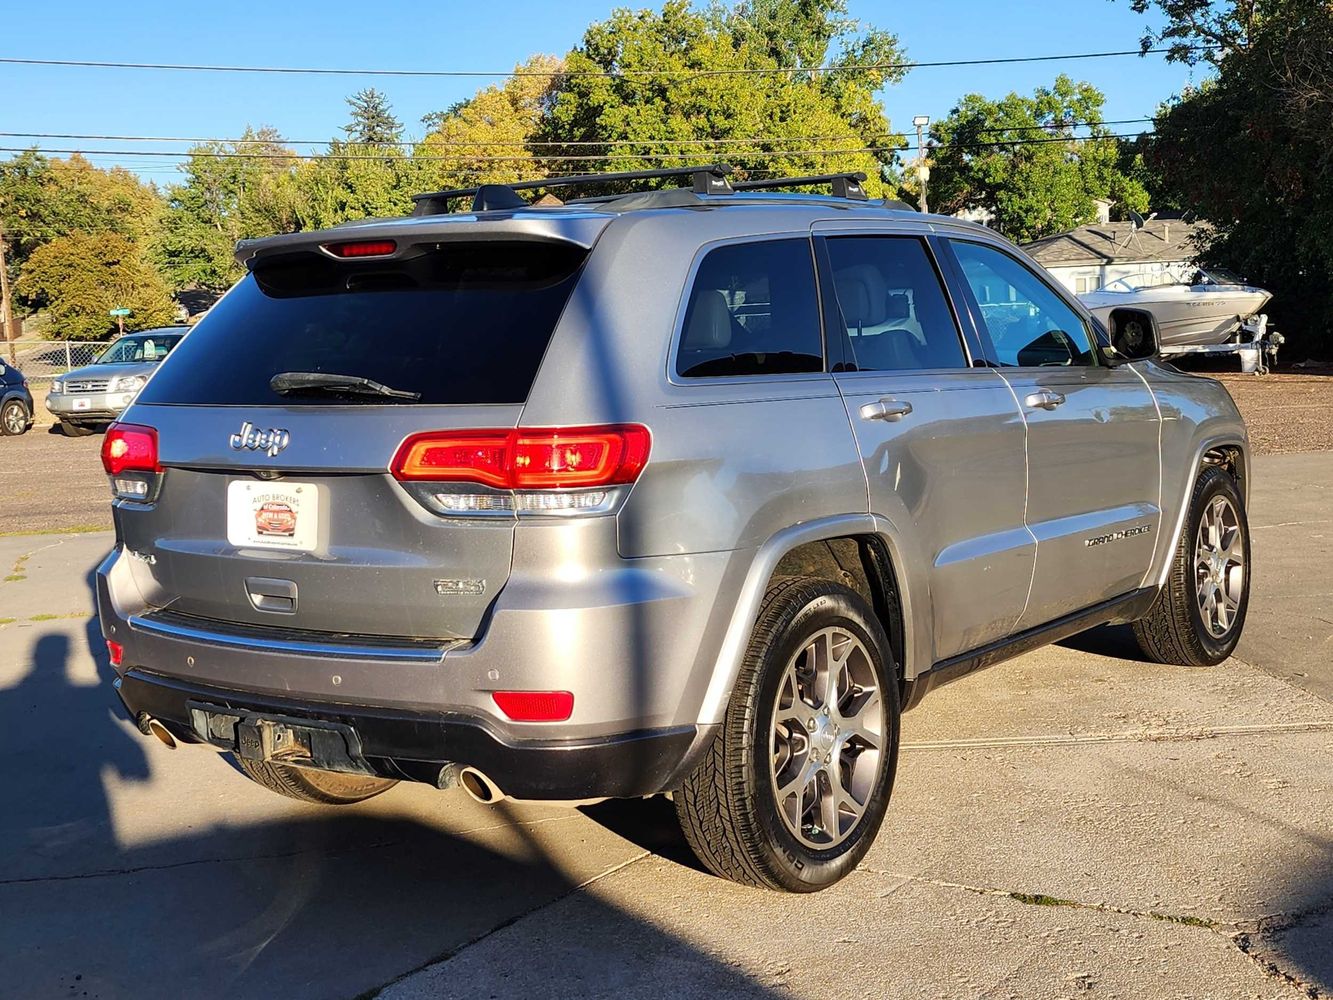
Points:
[1090,257]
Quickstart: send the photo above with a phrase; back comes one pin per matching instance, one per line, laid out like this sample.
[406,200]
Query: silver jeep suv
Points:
[686,491]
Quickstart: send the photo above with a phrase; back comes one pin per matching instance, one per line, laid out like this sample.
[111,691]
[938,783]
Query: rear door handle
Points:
[886,409]
[1045,399]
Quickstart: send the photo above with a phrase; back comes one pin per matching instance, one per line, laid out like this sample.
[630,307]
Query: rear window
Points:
[459,323]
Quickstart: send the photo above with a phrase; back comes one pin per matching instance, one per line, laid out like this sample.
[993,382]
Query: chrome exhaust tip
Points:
[152,727]
[480,787]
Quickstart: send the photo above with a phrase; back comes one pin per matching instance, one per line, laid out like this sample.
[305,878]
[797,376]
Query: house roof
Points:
[1119,243]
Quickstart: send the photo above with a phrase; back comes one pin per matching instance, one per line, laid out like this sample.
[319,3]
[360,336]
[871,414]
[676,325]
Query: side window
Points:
[1029,324]
[753,310]
[892,305]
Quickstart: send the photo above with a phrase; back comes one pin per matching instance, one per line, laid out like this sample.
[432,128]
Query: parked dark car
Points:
[15,401]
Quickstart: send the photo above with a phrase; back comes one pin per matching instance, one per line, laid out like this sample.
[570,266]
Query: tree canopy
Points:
[79,278]
[373,121]
[1038,163]
[231,191]
[633,97]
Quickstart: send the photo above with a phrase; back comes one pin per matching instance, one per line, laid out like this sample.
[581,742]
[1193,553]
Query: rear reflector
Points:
[129,447]
[535,706]
[367,248]
[115,652]
[527,458]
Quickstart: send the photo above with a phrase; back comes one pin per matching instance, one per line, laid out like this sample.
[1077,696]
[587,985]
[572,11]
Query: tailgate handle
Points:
[278,596]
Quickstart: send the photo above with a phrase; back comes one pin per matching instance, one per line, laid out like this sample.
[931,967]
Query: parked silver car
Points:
[92,396]
[686,492]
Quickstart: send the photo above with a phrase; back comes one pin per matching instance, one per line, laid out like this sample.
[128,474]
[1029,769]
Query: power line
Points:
[554,158]
[614,74]
[530,143]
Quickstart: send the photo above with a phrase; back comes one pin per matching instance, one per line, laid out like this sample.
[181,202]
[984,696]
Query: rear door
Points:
[1093,467]
[276,505]
[942,441]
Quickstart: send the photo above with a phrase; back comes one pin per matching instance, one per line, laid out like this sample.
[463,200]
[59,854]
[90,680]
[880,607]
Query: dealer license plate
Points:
[273,515]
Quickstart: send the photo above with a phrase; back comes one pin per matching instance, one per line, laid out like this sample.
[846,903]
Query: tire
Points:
[75,430]
[738,823]
[13,418]
[1179,628]
[306,784]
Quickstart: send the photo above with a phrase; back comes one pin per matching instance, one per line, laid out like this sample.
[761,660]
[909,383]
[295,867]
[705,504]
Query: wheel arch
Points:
[861,551]
[1230,452]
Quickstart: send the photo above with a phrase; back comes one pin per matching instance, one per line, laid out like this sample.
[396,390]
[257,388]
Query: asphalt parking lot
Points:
[1071,823]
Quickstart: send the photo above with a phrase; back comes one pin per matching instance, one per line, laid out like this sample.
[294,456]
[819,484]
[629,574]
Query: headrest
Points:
[897,307]
[710,322]
[861,291]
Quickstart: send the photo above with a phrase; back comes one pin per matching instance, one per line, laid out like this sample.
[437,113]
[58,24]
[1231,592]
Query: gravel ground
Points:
[1285,411]
[49,482]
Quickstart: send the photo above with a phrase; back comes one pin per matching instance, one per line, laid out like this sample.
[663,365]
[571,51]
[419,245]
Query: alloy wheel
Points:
[827,738]
[1219,566]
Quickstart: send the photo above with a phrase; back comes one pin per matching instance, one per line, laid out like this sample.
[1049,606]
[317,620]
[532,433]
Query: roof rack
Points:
[847,185]
[709,179]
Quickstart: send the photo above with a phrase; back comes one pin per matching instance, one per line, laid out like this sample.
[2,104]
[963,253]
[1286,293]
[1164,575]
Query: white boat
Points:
[1208,309]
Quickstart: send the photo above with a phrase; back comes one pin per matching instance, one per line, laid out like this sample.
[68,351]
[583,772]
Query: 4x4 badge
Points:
[252,438]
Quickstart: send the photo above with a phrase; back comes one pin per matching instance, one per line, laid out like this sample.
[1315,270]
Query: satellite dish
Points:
[1137,219]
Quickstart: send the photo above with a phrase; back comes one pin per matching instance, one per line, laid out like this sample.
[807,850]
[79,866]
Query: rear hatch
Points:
[276,506]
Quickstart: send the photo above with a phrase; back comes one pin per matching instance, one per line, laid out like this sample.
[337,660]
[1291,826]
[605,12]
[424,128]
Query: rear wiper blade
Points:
[286,383]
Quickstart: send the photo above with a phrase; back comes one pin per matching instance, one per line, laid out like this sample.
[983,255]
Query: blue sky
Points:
[452,35]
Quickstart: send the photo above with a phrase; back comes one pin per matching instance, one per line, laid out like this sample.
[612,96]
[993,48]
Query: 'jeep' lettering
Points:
[251,438]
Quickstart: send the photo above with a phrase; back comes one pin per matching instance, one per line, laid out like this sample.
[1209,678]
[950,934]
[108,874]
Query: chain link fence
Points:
[41,361]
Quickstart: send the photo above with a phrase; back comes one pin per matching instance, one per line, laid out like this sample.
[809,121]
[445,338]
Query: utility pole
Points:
[6,303]
[922,170]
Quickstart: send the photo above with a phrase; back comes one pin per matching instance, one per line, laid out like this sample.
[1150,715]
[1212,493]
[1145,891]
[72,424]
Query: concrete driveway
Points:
[1071,823]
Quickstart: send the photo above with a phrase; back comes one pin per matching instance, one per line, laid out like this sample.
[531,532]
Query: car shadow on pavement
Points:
[1115,641]
[312,902]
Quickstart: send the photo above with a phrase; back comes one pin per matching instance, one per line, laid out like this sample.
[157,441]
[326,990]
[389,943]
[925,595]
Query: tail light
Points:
[535,706]
[129,455]
[537,468]
[115,652]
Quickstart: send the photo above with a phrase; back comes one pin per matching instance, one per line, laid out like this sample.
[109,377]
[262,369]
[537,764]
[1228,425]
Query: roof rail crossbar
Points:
[846,185]
[708,179]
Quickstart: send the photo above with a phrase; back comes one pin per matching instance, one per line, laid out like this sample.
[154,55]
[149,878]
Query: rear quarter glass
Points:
[457,323]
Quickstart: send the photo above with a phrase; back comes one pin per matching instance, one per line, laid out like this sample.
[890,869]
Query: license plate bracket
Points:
[273,515]
[260,736]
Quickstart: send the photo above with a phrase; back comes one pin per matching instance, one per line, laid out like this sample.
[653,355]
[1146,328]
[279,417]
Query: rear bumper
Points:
[419,743]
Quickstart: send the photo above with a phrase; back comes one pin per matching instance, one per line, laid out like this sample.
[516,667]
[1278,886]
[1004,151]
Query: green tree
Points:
[487,139]
[232,191]
[1038,163]
[43,198]
[373,122]
[1248,151]
[80,277]
[657,109]
[367,175]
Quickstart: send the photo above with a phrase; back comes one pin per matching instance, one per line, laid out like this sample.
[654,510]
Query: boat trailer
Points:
[1255,344]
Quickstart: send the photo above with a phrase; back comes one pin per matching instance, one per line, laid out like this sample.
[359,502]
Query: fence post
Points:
[69,365]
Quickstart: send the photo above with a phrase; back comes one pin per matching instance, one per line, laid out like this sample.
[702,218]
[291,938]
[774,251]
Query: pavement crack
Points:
[507,922]
[1245,935]
[1041,899]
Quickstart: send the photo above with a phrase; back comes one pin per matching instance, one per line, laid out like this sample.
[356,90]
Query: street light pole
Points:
[922,170]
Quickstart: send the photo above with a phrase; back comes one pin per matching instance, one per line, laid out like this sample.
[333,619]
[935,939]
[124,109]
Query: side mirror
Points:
[1133,335]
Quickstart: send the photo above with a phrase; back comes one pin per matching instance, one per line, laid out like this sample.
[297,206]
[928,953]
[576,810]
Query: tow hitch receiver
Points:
[330,746]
